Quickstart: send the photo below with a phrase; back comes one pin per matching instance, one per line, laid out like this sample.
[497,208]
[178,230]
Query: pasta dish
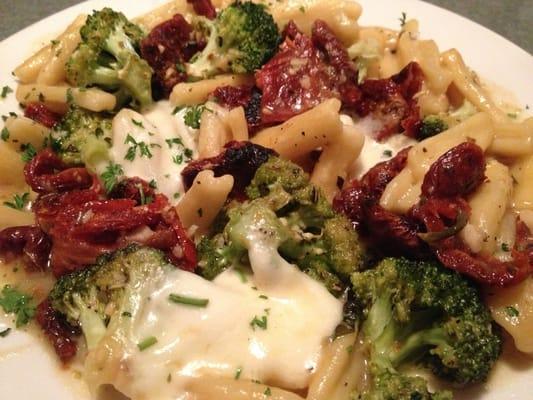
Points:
[233,200]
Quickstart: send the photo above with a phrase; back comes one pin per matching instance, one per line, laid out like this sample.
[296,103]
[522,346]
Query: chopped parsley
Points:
[241,274]
[145,343]
[28,152]
[19,201]
[5,91]
[238,373]
[267,392]
[302,9]
[512,312]
[144,150]
[15,302]
[261,323]
[193,114]
[153,184]
[403,19]
[111,176]
[174,141]
[4,135]
[137,123]
[505,247]
[262,296]
[387,153]
[126,314]
[54,42]
[5,332]
[189,301]
[177,159]
[177,110]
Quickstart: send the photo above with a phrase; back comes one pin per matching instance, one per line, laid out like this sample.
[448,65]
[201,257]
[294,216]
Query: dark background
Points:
[510,18]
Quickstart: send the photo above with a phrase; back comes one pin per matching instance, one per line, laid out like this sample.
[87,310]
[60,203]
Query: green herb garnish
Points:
[186,300]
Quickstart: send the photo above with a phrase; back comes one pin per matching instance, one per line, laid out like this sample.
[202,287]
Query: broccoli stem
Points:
[91,323]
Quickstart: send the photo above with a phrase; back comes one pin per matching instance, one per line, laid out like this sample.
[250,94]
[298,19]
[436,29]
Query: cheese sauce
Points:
[154,146]
[268,326]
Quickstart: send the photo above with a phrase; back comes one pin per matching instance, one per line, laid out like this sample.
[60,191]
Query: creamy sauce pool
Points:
[267,326]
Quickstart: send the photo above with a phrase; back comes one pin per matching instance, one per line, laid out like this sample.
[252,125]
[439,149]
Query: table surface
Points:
[510,18]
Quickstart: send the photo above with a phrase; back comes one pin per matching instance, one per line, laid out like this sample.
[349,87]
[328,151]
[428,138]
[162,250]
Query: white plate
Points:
[29,370]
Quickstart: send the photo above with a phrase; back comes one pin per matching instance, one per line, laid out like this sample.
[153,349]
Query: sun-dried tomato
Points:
[239,159]
[42,114]
[185,254]
[458,172]
[440,217]
[248,97]
[57,330]
[391,101]
[336,55]
[27,241]
[47,173]
[166,48]
[302,75]
[391,233]
[486,270]
[359,201]
[359,195]
[204,8]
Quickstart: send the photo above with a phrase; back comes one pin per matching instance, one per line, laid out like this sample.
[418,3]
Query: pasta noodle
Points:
[303,133]
[340,15]
[208,388]
[336,159]
[23,130]
[463,80]
[340,370]
[236,120]
[192,93]
[512,140]
[202,202]
[522,174]
[163,13]
[57,97]
[11,217]
[521,298]
[488,206]
[11,167]
[29,70]
[212,136]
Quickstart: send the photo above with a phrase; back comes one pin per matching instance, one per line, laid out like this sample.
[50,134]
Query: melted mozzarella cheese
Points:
[161,151]
[296,316]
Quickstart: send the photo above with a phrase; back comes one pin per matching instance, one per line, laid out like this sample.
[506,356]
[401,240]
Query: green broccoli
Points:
[108,290]
[421,312]
[108,57]
[82,137]
[241,39]
[309,233]
[431,125]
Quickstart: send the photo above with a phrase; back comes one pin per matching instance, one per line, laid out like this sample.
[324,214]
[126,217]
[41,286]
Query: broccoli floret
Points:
[217,254]
[241,39]
[421,312]
[308,232]
[108,57]
[82,137]
[108,290]
[431,125]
